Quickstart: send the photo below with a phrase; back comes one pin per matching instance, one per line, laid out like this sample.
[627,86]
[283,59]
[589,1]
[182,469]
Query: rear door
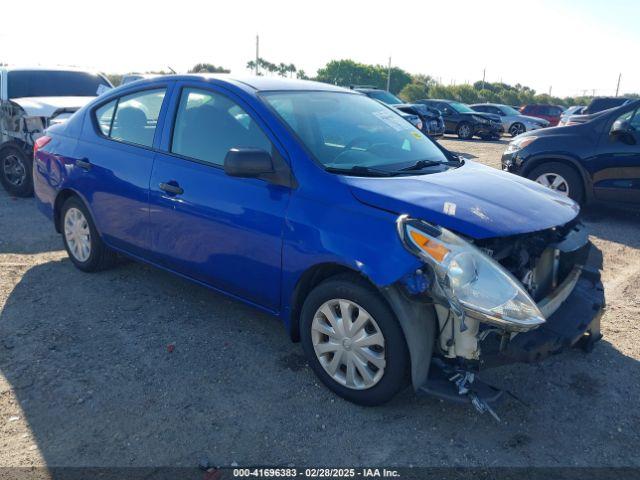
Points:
[223,231]
[113,164]
[616,168]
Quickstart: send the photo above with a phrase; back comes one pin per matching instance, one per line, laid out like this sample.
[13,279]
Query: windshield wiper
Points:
[420,164]
[363,171]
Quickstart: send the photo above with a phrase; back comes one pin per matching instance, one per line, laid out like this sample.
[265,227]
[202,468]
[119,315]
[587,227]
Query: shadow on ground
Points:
[135,367]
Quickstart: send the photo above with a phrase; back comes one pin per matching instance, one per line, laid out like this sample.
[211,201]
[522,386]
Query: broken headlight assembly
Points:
[467,280]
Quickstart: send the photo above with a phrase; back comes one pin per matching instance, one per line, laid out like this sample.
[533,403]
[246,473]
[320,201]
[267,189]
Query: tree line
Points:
[409,87]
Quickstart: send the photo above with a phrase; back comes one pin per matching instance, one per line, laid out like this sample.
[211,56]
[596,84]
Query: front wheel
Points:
[517,129]
[559,177]
[15,172]
[353,341]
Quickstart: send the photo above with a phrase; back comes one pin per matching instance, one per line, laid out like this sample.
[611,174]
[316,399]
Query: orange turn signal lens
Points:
[433,248]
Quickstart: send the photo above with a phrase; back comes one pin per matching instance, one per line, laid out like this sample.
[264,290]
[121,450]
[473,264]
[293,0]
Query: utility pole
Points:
[618,87]
[257,54]
[484,73]
[389,75]
[550,88]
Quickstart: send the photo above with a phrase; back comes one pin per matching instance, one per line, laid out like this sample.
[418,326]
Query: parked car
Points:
[512,121]
[132,77]
[379,249]
[551,113]
[431,119]
[597,105]
[596,160]
[466,122]
[570,112]
[31,99]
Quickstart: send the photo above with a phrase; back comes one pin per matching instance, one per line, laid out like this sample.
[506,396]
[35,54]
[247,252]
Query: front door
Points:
[221,230]
[616,168]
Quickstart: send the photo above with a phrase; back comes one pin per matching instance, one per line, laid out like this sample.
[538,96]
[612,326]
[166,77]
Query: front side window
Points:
[344,130]
[385,97]
[132,118]
[208,125]
[461,107]
[628,121]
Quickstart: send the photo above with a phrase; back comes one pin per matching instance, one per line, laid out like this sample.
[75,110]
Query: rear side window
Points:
[208,125]
[132,118]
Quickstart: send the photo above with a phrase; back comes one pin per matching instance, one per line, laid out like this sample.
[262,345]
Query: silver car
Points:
[512,121]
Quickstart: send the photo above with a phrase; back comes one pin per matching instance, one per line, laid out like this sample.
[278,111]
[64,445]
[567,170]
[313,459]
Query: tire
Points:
[551,171]
[15,171]
[394,374]
[99,256]
[464,131]
[516,129]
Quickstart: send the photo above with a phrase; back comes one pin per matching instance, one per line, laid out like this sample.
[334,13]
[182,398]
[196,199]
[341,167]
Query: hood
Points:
[420,109]
[473,200]
[539,121]
[489,116]
[46,106]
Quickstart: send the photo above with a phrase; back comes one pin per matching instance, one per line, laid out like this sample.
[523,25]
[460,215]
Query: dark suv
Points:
[596,160]
[431,119]
[466,122]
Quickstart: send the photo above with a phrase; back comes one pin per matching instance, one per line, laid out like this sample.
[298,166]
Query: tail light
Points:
[39,143]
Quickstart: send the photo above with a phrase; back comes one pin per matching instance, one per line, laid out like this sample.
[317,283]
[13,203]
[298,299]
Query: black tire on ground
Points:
[572,177]
[464,131]
[15,171]
[100,257]
[397,368]
[516,129]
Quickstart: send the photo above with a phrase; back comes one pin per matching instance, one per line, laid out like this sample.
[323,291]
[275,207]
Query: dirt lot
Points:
[87,378]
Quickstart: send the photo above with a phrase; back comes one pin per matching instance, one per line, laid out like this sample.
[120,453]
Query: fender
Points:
[532,162]
[418,322]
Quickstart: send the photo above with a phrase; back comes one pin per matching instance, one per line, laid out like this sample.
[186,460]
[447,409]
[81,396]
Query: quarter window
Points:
[208,125]
[132,118]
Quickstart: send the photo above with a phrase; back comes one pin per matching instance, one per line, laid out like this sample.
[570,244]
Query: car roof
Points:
[56,68]
[256,84]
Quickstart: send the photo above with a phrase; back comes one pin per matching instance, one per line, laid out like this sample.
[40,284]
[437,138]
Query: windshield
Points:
[43,83]
[384,96]
[346,131]
[461,107]
[507,110]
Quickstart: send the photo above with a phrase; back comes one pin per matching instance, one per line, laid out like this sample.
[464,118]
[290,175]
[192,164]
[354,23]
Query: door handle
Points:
[84,163]
[171,188]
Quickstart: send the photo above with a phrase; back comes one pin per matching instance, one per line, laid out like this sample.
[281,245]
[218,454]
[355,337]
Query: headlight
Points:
[471,282]
[519,143]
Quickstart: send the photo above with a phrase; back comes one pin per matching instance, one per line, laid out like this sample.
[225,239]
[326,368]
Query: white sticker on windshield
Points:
[394,121]
[449,208]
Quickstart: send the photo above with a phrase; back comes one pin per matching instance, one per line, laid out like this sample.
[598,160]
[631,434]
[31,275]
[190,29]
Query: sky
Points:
[571,47]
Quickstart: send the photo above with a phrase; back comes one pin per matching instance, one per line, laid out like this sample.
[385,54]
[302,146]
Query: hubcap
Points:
[77,234]
[554,182]
[14,170]
[465,131]
[348,344]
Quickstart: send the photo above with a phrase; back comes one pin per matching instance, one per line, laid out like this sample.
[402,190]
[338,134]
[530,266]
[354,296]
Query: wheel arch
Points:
[417,319]
[62,196]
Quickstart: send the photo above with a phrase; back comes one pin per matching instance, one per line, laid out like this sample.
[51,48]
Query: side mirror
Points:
[621,131]
[248,163]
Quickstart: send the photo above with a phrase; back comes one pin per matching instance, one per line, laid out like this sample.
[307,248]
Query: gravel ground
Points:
[135,367]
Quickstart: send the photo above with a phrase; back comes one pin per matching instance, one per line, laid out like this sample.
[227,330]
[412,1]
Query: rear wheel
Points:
[559,177]
[81,240]
[353,341]
[464,131]
[15,172]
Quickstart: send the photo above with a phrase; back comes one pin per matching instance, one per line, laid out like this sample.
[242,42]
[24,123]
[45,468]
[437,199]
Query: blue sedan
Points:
[390,258]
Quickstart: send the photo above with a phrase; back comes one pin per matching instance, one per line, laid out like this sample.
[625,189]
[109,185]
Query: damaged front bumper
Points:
[575,321]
